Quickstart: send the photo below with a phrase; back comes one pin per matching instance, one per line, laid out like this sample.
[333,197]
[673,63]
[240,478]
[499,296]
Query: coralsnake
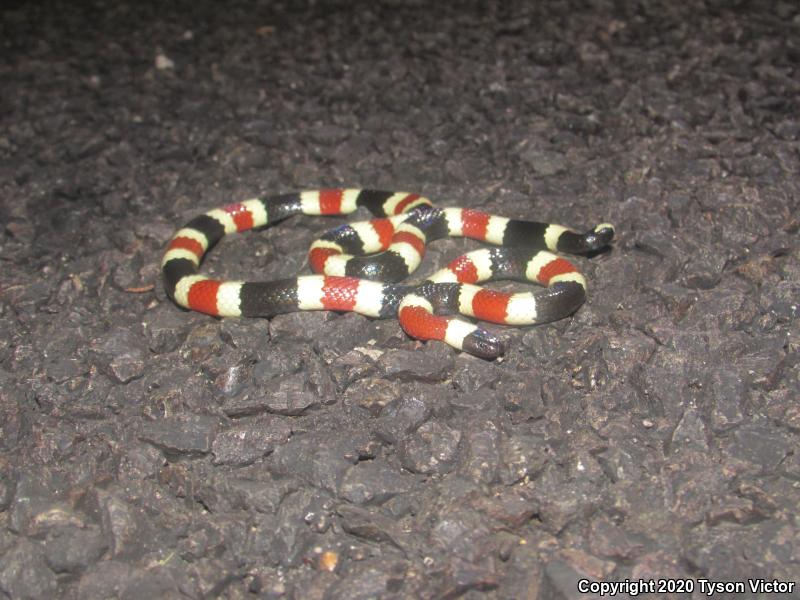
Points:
[362,266]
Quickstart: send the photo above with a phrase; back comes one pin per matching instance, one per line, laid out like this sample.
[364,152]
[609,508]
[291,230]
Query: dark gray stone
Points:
[481,458]
[524,574]
[689,435]
[11,416]
[152,583]
[165,328]
[320,460]
[248,441]
[105,579]
[370,579]
[368,525]
[291,536]
[542,162]
[460,533]
[374,395]
[37,492]
[342,333]
[728,394]
[711,549]
[431,364]
[561,581]
[72,550]
[608,539]
[433,448]
[465,576]
[372,482]
[248,336]
[762,444]
[558,507]
[298,327]
[511,507]
[120,354]
[291,395]
[472,374]
[285,359]
[183,434]
[520,392]
[227,495]
[229,373]
[24,573]
[351,367]
[523,455]
[402,417]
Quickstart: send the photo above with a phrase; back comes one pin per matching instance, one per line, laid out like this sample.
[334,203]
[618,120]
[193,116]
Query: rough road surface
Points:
[147,452]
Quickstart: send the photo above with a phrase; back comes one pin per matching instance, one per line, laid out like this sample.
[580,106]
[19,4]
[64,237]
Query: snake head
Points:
[483,344]
[586,243]
[599,237]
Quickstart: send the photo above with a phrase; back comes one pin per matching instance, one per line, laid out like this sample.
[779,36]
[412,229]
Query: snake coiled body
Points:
[362,266]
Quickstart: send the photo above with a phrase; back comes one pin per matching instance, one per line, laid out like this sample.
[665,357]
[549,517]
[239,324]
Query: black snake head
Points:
[483,344]
[599,237]
[586,243]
